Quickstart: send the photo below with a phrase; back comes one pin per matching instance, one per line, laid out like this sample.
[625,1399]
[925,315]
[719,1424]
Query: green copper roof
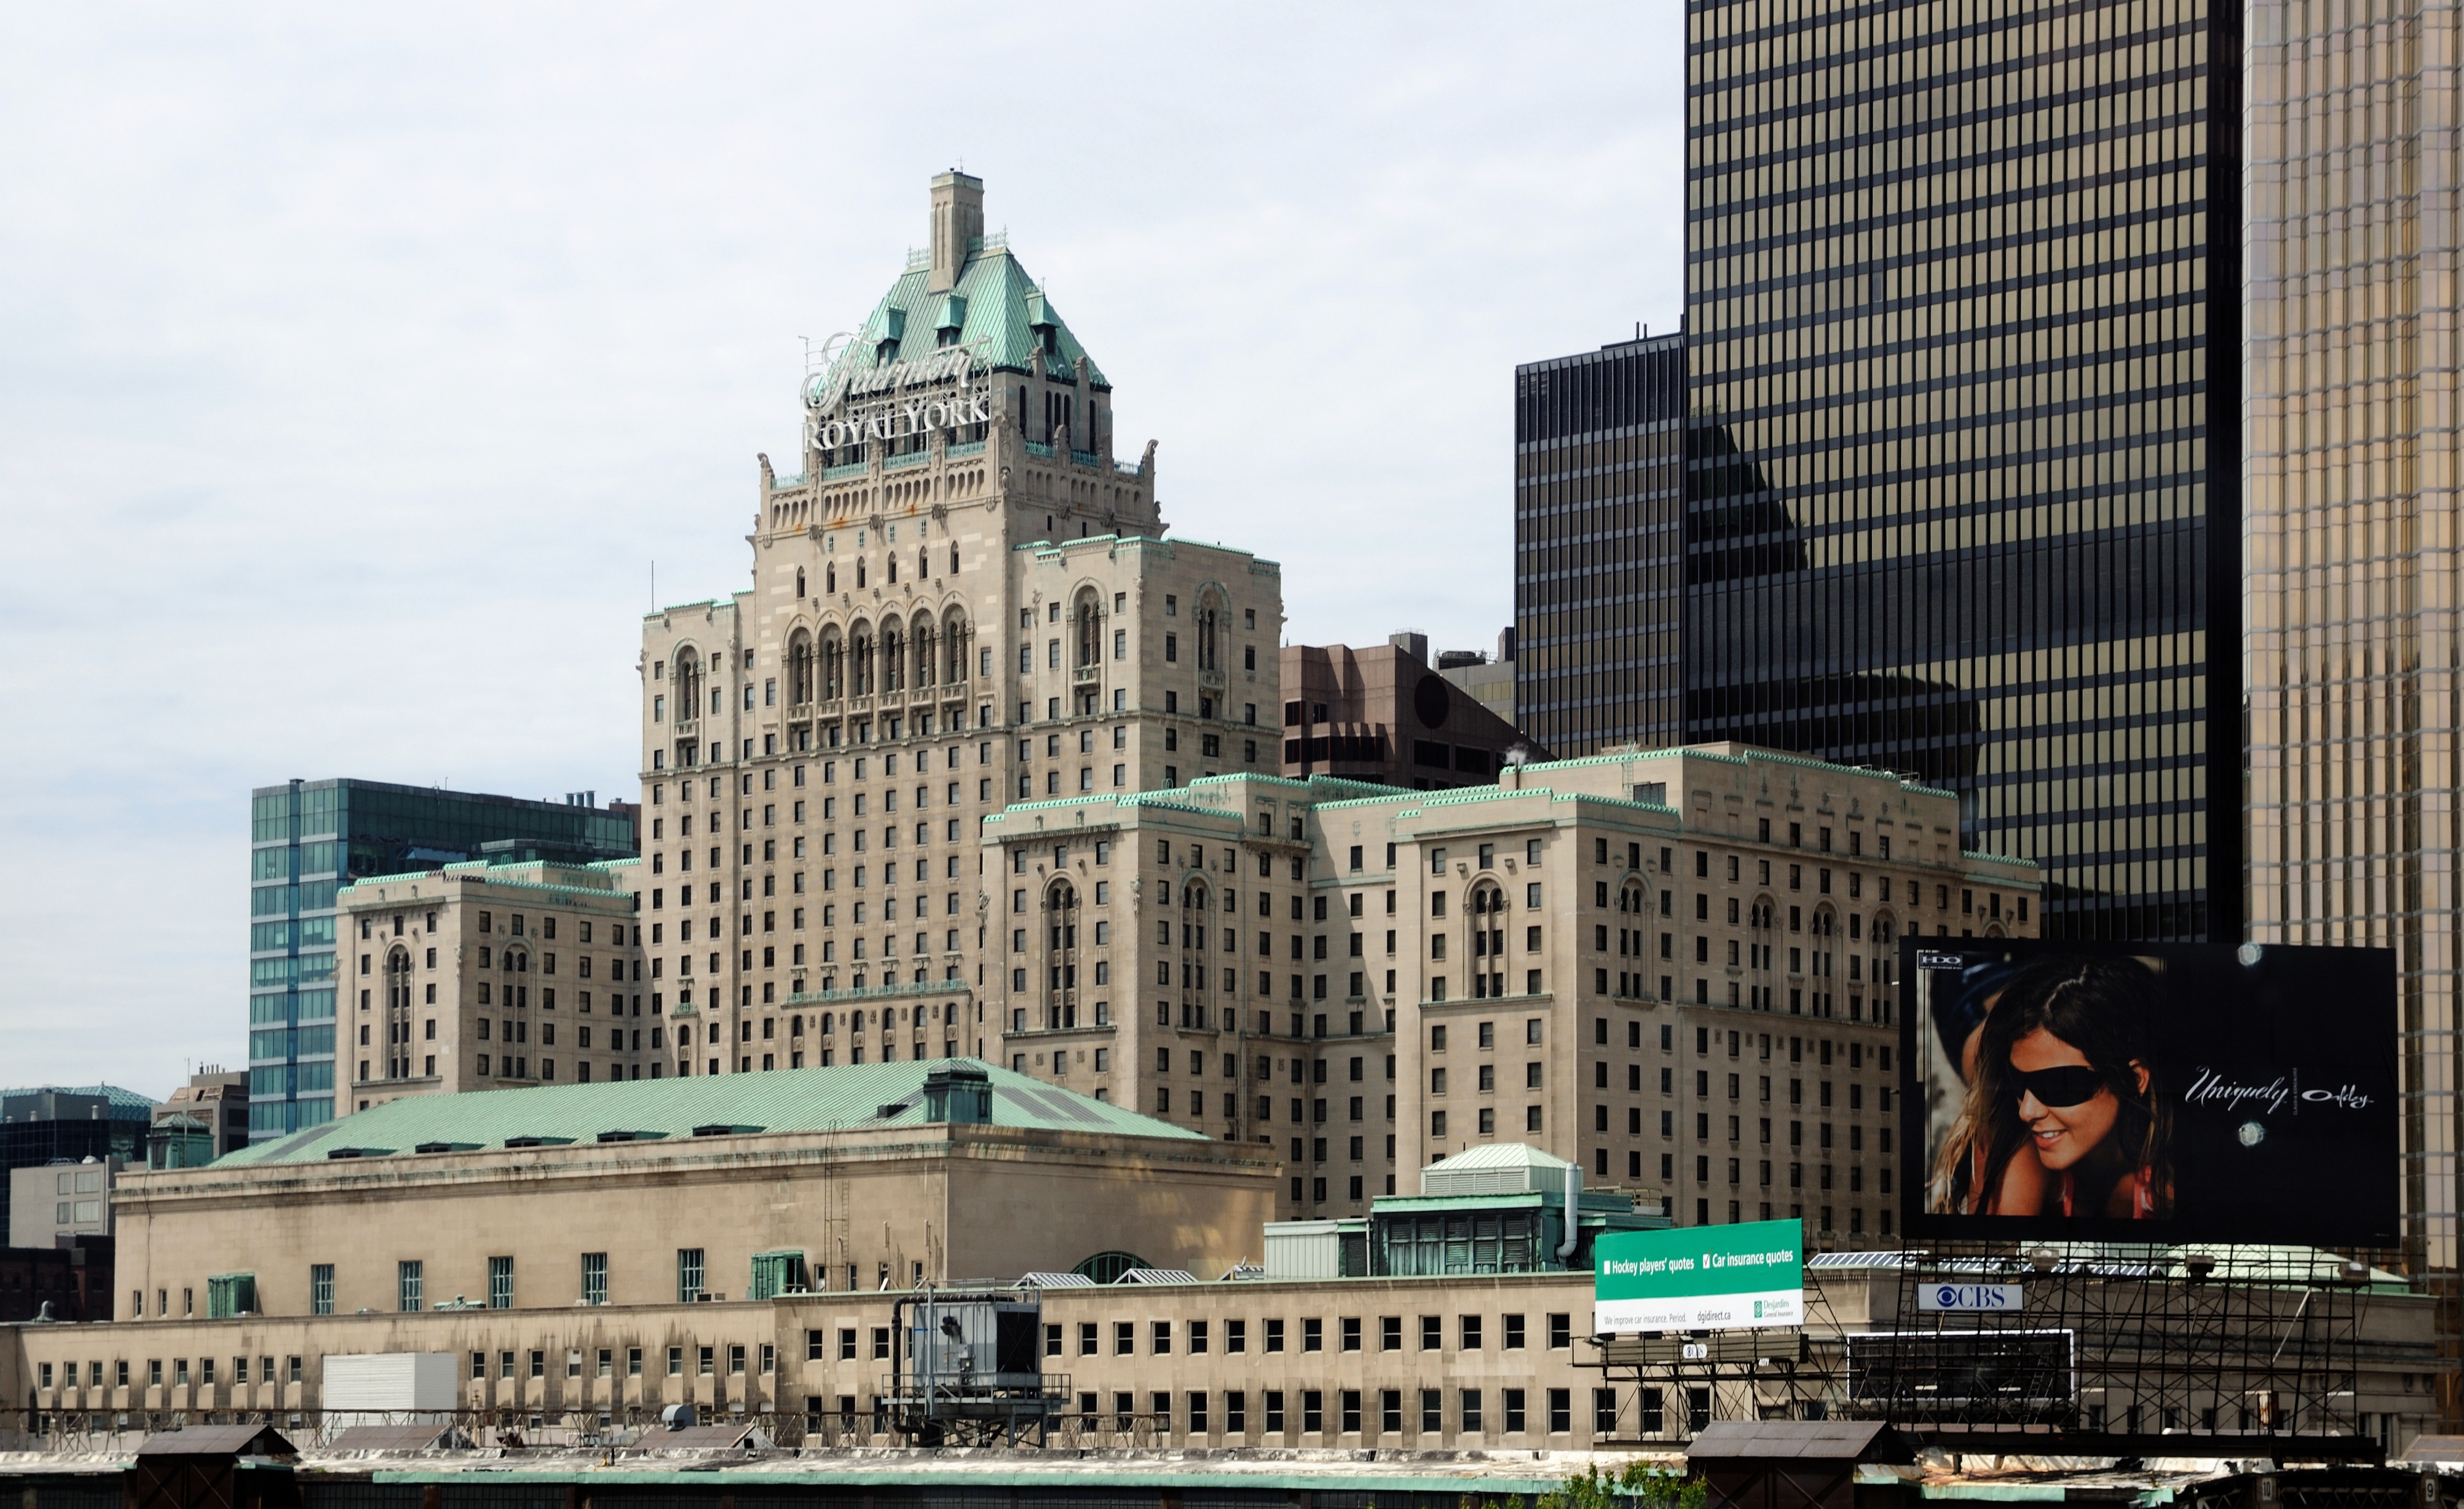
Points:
[119,1100]
[784,1101]
[995,303]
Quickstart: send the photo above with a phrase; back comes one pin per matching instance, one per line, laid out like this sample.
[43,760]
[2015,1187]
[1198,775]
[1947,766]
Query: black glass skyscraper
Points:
[1598,565]
[1963,337]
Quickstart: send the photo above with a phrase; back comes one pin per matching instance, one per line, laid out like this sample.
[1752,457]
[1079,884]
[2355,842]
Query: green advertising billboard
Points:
[1700,1279]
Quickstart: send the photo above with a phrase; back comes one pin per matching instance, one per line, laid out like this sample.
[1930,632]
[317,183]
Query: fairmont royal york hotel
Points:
[982,763]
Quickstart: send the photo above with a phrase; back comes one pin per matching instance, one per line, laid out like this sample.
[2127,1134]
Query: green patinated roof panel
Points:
[997,293]
[781,1100]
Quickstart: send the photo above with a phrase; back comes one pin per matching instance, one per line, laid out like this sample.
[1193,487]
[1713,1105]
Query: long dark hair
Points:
[2104,1007]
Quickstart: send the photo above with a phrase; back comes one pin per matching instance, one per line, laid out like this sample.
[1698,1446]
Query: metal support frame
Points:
[2251,1350]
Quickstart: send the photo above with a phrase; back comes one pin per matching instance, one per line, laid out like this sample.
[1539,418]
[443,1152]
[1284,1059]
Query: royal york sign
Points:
[879,402]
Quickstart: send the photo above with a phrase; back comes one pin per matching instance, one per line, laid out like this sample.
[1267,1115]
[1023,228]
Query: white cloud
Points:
[353,366]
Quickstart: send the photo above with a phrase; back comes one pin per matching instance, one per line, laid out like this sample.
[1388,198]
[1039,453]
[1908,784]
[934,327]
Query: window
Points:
[409,1280]
[320,1289]
[594,1278]
[689,1275]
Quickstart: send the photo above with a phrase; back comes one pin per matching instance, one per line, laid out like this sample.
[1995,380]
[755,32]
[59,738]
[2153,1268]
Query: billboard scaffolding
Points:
[2052,1350]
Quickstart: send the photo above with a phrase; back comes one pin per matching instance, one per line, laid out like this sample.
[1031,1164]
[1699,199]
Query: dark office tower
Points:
[1962,489]
[310,838]
[1598,442]
[57,1123]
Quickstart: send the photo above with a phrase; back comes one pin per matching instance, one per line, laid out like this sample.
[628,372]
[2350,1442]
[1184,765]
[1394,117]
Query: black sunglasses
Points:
[2066,1084]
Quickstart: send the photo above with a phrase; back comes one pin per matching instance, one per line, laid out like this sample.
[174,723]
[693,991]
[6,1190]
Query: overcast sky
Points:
[357,361]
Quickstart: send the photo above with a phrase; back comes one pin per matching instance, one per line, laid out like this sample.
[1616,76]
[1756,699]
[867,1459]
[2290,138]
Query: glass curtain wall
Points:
[1598,444]
[1962,477]
[2355,707]
[308,839]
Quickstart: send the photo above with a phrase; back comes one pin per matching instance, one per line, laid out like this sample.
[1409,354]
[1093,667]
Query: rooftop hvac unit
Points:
[966,1346]
[1978,1376]
[971,1372]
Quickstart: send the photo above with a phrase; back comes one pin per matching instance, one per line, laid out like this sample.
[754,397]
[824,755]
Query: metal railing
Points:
[622,1432]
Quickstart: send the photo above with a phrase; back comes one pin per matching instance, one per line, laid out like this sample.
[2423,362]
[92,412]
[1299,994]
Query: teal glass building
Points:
[308,840]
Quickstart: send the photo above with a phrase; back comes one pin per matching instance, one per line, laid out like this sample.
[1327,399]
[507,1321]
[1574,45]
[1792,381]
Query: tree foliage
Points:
[1637,1485]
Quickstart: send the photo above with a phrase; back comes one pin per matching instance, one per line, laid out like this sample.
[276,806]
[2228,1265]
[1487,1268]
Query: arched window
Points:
[799,582]
[688,685]
[860,661]
[1061,963]
[1210,614]
[954,650]
[1106,1268]
[927,662]
[1486,906]
[799,669]
[1088,617]
[833,666]
[894,660]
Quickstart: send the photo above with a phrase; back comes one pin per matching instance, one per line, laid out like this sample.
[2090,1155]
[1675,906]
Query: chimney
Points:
[957,218]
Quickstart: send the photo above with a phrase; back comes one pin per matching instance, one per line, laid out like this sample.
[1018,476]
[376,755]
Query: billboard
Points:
[2147,1091]
[1700,1279]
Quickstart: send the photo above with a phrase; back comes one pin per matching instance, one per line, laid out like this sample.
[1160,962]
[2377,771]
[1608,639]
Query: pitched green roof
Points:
[782,1100]
[994,303]
[119,1100]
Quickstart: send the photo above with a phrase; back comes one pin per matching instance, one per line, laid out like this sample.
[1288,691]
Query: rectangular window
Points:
[500,1283]
[689,1275]
[320,1289]
[594,1278]
[409,1280]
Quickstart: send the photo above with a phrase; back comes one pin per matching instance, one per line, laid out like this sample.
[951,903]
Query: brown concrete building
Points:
[1380,714]
[215,1099]
[492,976]
[1489,681]
[1365,980]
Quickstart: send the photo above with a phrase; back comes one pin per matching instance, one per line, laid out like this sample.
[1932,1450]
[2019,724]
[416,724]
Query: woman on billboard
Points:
[2063,1115]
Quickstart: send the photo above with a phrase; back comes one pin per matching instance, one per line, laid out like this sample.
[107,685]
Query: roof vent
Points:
[725,1129]
[960,1093]
[883,1113]
[536,1142]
